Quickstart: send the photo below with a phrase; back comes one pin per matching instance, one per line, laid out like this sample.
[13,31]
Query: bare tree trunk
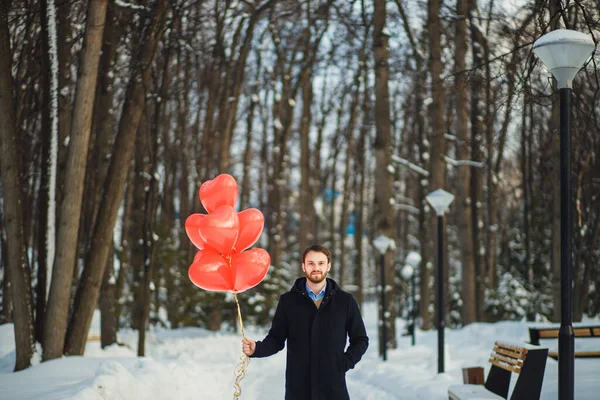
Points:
[65,94]
[103,123]
[476,186]
[7,309]
[385,215]
[525,172]
[108,318]
[151,202]
[87,293]
[307,209]
[419,132]
[16,259]
[68,225]
[437,111]
[464,220]
[245,186]
[438,97]
[44,194]
[360,200]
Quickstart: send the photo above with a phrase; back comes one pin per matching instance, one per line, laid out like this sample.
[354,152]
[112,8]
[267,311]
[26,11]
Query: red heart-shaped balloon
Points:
[222,190]
[191,228]
[210,271]
[249,268]
[220,229]
[252,222]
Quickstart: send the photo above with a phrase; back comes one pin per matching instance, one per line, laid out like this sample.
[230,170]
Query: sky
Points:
[193,363]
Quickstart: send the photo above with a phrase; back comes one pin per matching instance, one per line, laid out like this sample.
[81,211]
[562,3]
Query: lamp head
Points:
[383,243]
[564,52]
[440,201]
[413,259]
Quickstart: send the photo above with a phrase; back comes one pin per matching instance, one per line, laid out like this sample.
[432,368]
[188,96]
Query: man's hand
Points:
[248,346]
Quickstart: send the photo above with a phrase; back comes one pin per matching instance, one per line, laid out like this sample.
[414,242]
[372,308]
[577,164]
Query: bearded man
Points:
[315,318]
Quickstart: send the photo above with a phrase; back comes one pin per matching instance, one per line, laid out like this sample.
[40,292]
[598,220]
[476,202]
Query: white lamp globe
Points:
[563,52]
[407,272]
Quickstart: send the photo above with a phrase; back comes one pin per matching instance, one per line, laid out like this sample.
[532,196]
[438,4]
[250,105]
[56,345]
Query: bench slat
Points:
[509,353]
[550,333]
[577,354]
[517,362]
[517,349]
[502,365]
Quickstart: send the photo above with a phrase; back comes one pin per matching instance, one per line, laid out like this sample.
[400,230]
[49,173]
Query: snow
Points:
[410,165]
[53,161]
[192,363]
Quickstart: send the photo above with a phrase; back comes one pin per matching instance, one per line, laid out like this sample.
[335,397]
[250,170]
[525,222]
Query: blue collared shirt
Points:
[313,296]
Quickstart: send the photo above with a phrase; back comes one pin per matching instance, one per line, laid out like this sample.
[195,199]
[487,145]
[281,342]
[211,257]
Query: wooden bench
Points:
[551,332]
[527,361]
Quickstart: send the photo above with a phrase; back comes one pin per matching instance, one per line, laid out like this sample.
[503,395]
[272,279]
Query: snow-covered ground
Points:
[197,364]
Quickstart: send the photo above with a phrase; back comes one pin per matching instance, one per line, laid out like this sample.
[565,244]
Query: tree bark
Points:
[16,258]
[70,209]
[307,209]
[95,263]
[385,216]
[108,318]
[463,198]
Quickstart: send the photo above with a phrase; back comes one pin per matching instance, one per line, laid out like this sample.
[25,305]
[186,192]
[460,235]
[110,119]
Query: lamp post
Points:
[563,52]
[440,200]
[408,274]
[413,259]
[382,244]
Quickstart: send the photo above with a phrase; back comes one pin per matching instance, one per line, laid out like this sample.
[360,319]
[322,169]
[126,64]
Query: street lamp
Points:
[408,274]
[563,52]
[382,244]
[440,200]
[413,259]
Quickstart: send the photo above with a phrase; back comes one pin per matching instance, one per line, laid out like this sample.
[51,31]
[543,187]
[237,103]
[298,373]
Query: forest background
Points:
[337,118]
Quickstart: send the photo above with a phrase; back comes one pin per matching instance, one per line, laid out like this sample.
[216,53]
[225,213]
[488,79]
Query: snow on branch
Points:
[459,163]
[410,165]
[129,5]
[407,207]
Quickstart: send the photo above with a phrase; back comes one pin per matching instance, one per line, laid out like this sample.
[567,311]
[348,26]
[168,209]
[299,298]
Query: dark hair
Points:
[319,249]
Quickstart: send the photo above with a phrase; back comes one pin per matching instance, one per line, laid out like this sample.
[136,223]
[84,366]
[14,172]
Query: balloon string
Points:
[242,367]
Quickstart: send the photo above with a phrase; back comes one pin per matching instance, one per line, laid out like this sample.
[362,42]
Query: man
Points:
[315,317]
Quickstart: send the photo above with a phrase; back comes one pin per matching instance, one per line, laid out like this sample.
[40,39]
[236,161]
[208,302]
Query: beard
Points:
[316,277]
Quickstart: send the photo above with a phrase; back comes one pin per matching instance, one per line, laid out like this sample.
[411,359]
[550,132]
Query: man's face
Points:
[315,266]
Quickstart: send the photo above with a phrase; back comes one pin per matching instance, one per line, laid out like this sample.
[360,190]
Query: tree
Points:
[463,198]
[69,217]
[385,216]
[95,263]
[17,264]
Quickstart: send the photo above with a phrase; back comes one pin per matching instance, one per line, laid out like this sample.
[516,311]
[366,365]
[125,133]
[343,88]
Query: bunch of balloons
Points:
[222,237]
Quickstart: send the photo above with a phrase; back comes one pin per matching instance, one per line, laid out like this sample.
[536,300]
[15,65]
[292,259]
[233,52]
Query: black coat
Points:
[317,358]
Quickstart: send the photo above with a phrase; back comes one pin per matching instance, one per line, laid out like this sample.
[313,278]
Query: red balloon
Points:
[252,222]
[222,190]
[220,229]
[191,228]
[210,271]
[249,268]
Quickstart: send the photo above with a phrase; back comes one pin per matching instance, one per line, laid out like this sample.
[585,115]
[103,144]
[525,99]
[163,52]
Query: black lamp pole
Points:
[566,340]
[440,293]
[383,324]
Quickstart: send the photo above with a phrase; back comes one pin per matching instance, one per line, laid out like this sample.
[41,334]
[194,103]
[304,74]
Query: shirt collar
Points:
[314,296]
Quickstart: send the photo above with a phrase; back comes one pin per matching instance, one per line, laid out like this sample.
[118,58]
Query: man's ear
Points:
[303,269]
